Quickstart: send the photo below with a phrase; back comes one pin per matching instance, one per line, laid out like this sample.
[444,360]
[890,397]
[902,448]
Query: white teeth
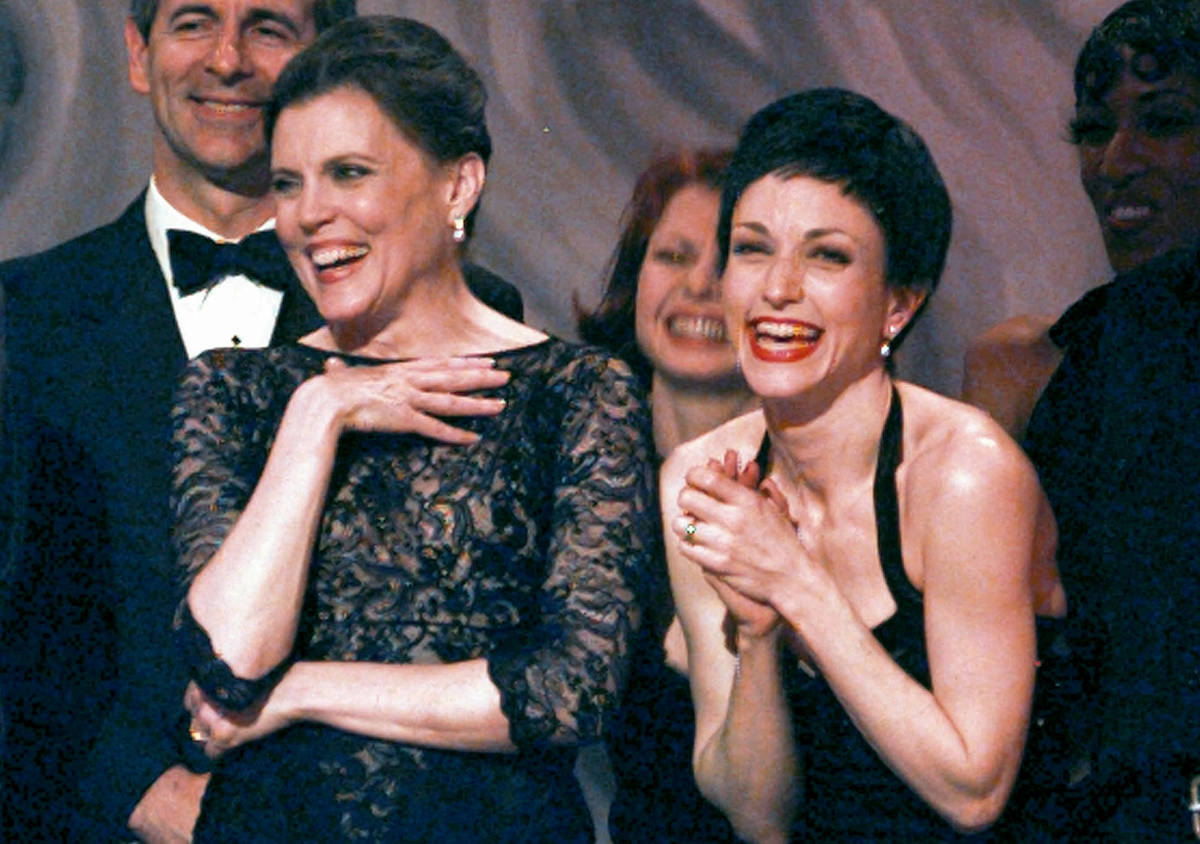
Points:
[697,327]
[227,108]
[787,331]
[1126,213]
[331,255]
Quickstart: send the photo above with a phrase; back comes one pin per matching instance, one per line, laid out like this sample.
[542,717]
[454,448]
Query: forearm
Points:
[449,706]
[247,597]
[749,767]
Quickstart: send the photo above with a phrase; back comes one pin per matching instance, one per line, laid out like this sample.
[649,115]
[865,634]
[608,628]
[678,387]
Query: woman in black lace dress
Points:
[856,567]
[411,540]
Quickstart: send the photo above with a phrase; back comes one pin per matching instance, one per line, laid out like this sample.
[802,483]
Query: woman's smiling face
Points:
[678,316]
[1139,155]
[361,210]
[804,285]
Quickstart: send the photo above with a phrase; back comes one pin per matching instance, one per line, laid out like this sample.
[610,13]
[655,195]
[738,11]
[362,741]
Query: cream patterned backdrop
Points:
[583,91]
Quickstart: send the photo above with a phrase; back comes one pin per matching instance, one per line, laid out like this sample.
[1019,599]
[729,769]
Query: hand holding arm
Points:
[452,706]
[550,676]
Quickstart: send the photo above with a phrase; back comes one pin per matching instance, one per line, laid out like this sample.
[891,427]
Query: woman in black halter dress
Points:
[857,567]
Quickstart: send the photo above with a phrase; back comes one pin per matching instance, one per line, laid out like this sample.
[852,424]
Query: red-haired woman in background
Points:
[661,312]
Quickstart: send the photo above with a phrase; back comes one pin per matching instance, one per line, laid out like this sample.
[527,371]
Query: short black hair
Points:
[325,13]
[415,76]
[1164,36]
[844,138]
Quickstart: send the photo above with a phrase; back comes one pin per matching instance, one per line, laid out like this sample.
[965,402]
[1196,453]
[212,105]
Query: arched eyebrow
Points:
[758,228]
[811,234]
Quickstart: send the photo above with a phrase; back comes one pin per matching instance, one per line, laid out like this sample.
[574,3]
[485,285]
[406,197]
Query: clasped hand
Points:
[736,527]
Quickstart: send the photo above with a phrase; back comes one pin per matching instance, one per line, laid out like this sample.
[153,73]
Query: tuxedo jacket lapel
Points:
[140,307]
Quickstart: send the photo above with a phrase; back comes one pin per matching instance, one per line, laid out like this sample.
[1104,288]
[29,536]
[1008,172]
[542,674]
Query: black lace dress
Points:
[525,549]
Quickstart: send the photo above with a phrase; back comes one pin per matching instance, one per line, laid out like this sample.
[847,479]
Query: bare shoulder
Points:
[971,501]
[953,446]
[743,434]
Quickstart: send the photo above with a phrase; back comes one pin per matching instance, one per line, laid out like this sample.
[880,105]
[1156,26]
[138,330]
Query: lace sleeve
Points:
[219,448]
[560,683]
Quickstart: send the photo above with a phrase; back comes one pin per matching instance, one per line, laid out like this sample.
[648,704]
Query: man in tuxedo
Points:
[97,330]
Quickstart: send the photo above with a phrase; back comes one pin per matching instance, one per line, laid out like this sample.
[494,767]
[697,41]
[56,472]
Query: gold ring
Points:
[689,532]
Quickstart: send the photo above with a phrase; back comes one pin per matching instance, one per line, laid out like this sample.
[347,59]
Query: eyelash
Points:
[674,257]
[282,185]
[830,255]
[187,25]
[748,248]
[349,172]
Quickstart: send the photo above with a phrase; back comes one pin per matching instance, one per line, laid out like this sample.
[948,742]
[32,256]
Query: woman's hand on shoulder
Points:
[409,396]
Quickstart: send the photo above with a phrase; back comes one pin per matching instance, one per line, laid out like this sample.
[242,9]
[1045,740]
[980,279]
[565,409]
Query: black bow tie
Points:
[197,262]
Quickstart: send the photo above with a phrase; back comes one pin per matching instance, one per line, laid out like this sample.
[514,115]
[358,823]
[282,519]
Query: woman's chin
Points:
[715,376]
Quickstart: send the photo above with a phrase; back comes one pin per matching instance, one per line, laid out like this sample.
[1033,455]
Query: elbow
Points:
[976,812]
[753,819]
[975,818]
[759,831]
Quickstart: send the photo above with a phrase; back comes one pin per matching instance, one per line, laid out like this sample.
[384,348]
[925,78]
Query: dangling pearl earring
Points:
[460,230]
[885,348]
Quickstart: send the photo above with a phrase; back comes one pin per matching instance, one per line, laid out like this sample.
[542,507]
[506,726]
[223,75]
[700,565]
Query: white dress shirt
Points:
[235,311]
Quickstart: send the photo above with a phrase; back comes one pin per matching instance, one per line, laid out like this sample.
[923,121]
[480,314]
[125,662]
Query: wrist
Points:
[810,607]
[751,645]
[287,700]
[314,404]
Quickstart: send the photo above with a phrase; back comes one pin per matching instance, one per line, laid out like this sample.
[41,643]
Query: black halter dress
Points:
[849,794]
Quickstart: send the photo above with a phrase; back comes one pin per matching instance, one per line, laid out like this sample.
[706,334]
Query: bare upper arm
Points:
[977,548]
[1007,367]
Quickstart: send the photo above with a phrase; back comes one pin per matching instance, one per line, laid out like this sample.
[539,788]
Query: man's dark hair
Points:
[325,13]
